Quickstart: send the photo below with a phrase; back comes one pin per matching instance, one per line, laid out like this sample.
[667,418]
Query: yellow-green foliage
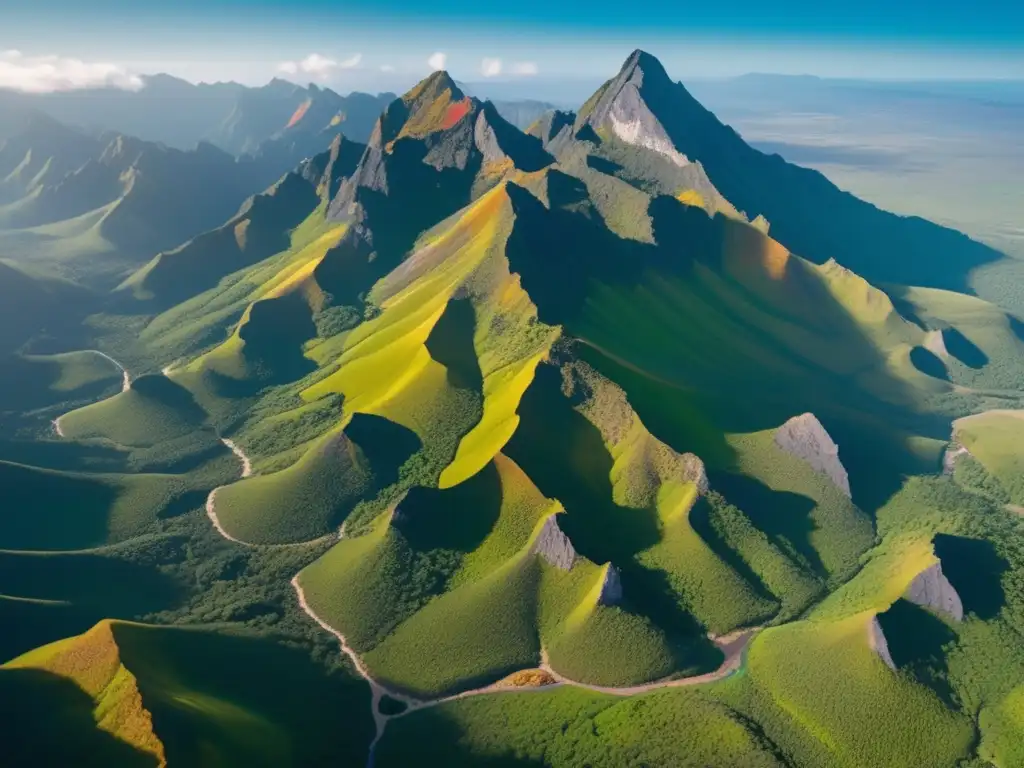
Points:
[567,727]
[196,696]
[299,503]
[996,439]
[781,576]
[1003,731]
[202,321]
[142,417]
[826,679]
[705,585]
[522,508]
[475,634]
[985,351]
[93,662]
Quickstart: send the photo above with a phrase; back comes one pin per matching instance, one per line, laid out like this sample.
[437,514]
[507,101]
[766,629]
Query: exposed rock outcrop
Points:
[605,405]
[879,643]
[953,452]
[554,546]
[804,437]
[931,589]
[611,587]
[935,342]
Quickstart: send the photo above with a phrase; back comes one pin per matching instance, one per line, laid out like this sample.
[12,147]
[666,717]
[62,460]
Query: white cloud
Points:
[44,74]
[438,60]
[319,66]
[525,68]
[490,67]
[386,68]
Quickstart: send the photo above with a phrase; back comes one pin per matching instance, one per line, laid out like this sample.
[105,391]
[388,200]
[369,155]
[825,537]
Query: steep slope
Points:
[282,116]
[42,151]
[260,229]
[30,305]
[181,696]
[641,108]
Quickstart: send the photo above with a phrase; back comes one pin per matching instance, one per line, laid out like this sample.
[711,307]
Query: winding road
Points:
[733,646]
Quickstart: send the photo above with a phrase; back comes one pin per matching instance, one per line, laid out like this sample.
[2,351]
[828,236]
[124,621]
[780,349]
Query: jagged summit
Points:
[643,108]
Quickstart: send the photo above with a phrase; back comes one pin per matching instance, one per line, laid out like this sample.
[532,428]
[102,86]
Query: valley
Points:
[415,438]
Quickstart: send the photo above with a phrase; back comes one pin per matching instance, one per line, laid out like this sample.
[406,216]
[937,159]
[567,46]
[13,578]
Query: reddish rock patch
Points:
[455,112]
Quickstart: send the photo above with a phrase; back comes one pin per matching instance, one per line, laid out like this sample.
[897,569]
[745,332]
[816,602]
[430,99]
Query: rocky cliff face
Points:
[554,546]
[804,437]
[879,643]
[931,589]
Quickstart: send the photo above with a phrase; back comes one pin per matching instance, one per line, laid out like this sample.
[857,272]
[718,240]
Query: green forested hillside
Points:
[608,443]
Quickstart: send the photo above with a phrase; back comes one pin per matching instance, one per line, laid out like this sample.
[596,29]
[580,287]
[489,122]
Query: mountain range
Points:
[611,441]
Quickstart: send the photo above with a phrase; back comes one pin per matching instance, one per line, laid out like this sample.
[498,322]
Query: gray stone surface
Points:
[804,437]
[879,643]
[931,589]
[554,546]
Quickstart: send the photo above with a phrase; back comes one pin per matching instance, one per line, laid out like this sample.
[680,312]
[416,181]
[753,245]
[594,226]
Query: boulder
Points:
[931,589]
[804,437]
[879,643]
[554,546]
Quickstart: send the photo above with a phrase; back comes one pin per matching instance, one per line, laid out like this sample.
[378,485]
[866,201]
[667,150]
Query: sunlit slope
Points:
[90,665]
[971,341]
[995,439]
[189,697]
[477,591]
[261,228]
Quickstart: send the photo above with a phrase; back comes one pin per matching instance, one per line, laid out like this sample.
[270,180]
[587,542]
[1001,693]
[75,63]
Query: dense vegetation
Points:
[484,402]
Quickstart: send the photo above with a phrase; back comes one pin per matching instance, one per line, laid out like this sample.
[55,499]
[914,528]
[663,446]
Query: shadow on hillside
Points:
[783,516]
[916,638]
[963,349]
[290,694]
[928,363]
[566,457]
[808,213]
[48,720]
[274,335]
[432,738]
[457,518]
[701,519]
[976,570]
[451,344]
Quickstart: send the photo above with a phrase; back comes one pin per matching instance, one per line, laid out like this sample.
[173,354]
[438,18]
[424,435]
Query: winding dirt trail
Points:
[126,383]
[211,500]
[733,646]
[126,379]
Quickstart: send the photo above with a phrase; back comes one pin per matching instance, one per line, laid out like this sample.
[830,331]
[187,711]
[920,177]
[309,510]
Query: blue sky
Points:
[387,43]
